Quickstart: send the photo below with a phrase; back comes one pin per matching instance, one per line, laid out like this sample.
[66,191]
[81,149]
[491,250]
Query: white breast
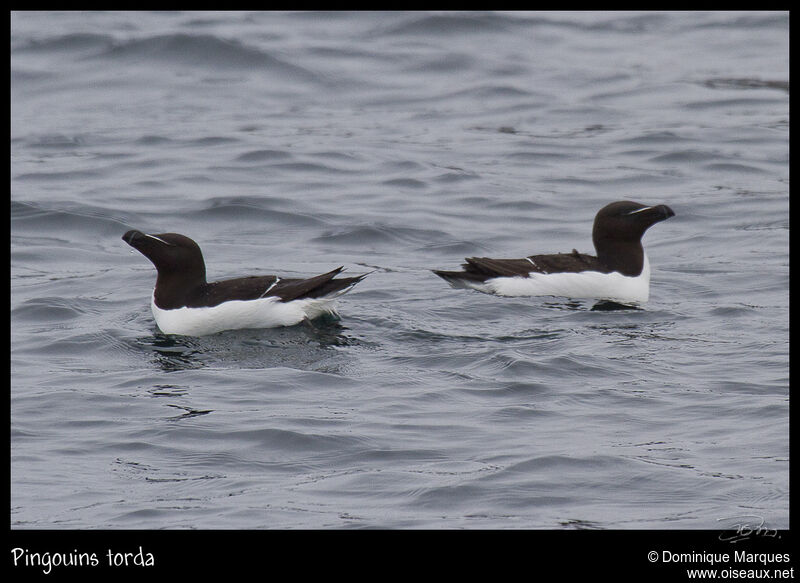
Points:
[586,284]
[236,314]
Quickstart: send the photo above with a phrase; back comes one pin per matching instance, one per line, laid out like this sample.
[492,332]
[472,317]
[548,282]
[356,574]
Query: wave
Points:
[67,43]
[378,234]
[203,51]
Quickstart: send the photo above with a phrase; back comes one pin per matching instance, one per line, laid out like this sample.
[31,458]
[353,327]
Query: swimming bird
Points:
[184,303]
[619,272]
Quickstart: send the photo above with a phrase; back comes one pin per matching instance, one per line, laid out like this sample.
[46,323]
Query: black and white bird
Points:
[183,302]
[619,272]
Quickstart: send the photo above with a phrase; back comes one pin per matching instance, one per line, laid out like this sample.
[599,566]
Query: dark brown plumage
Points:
[617,233]
[181,280]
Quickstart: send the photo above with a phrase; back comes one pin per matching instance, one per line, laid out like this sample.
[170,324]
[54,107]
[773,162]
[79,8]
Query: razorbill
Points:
[620,272]
[184,303]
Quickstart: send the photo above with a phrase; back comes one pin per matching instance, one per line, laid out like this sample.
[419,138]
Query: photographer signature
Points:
[747,526]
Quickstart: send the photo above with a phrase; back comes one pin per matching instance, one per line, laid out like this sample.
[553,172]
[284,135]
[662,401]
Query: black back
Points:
[617,236]
[181,280]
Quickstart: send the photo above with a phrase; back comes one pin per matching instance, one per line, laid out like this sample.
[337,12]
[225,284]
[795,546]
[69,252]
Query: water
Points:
[293,143]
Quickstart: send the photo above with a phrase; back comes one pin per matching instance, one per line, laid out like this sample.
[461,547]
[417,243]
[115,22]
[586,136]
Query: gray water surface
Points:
[397,143]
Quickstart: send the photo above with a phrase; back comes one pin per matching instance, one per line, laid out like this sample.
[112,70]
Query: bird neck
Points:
[625,257]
